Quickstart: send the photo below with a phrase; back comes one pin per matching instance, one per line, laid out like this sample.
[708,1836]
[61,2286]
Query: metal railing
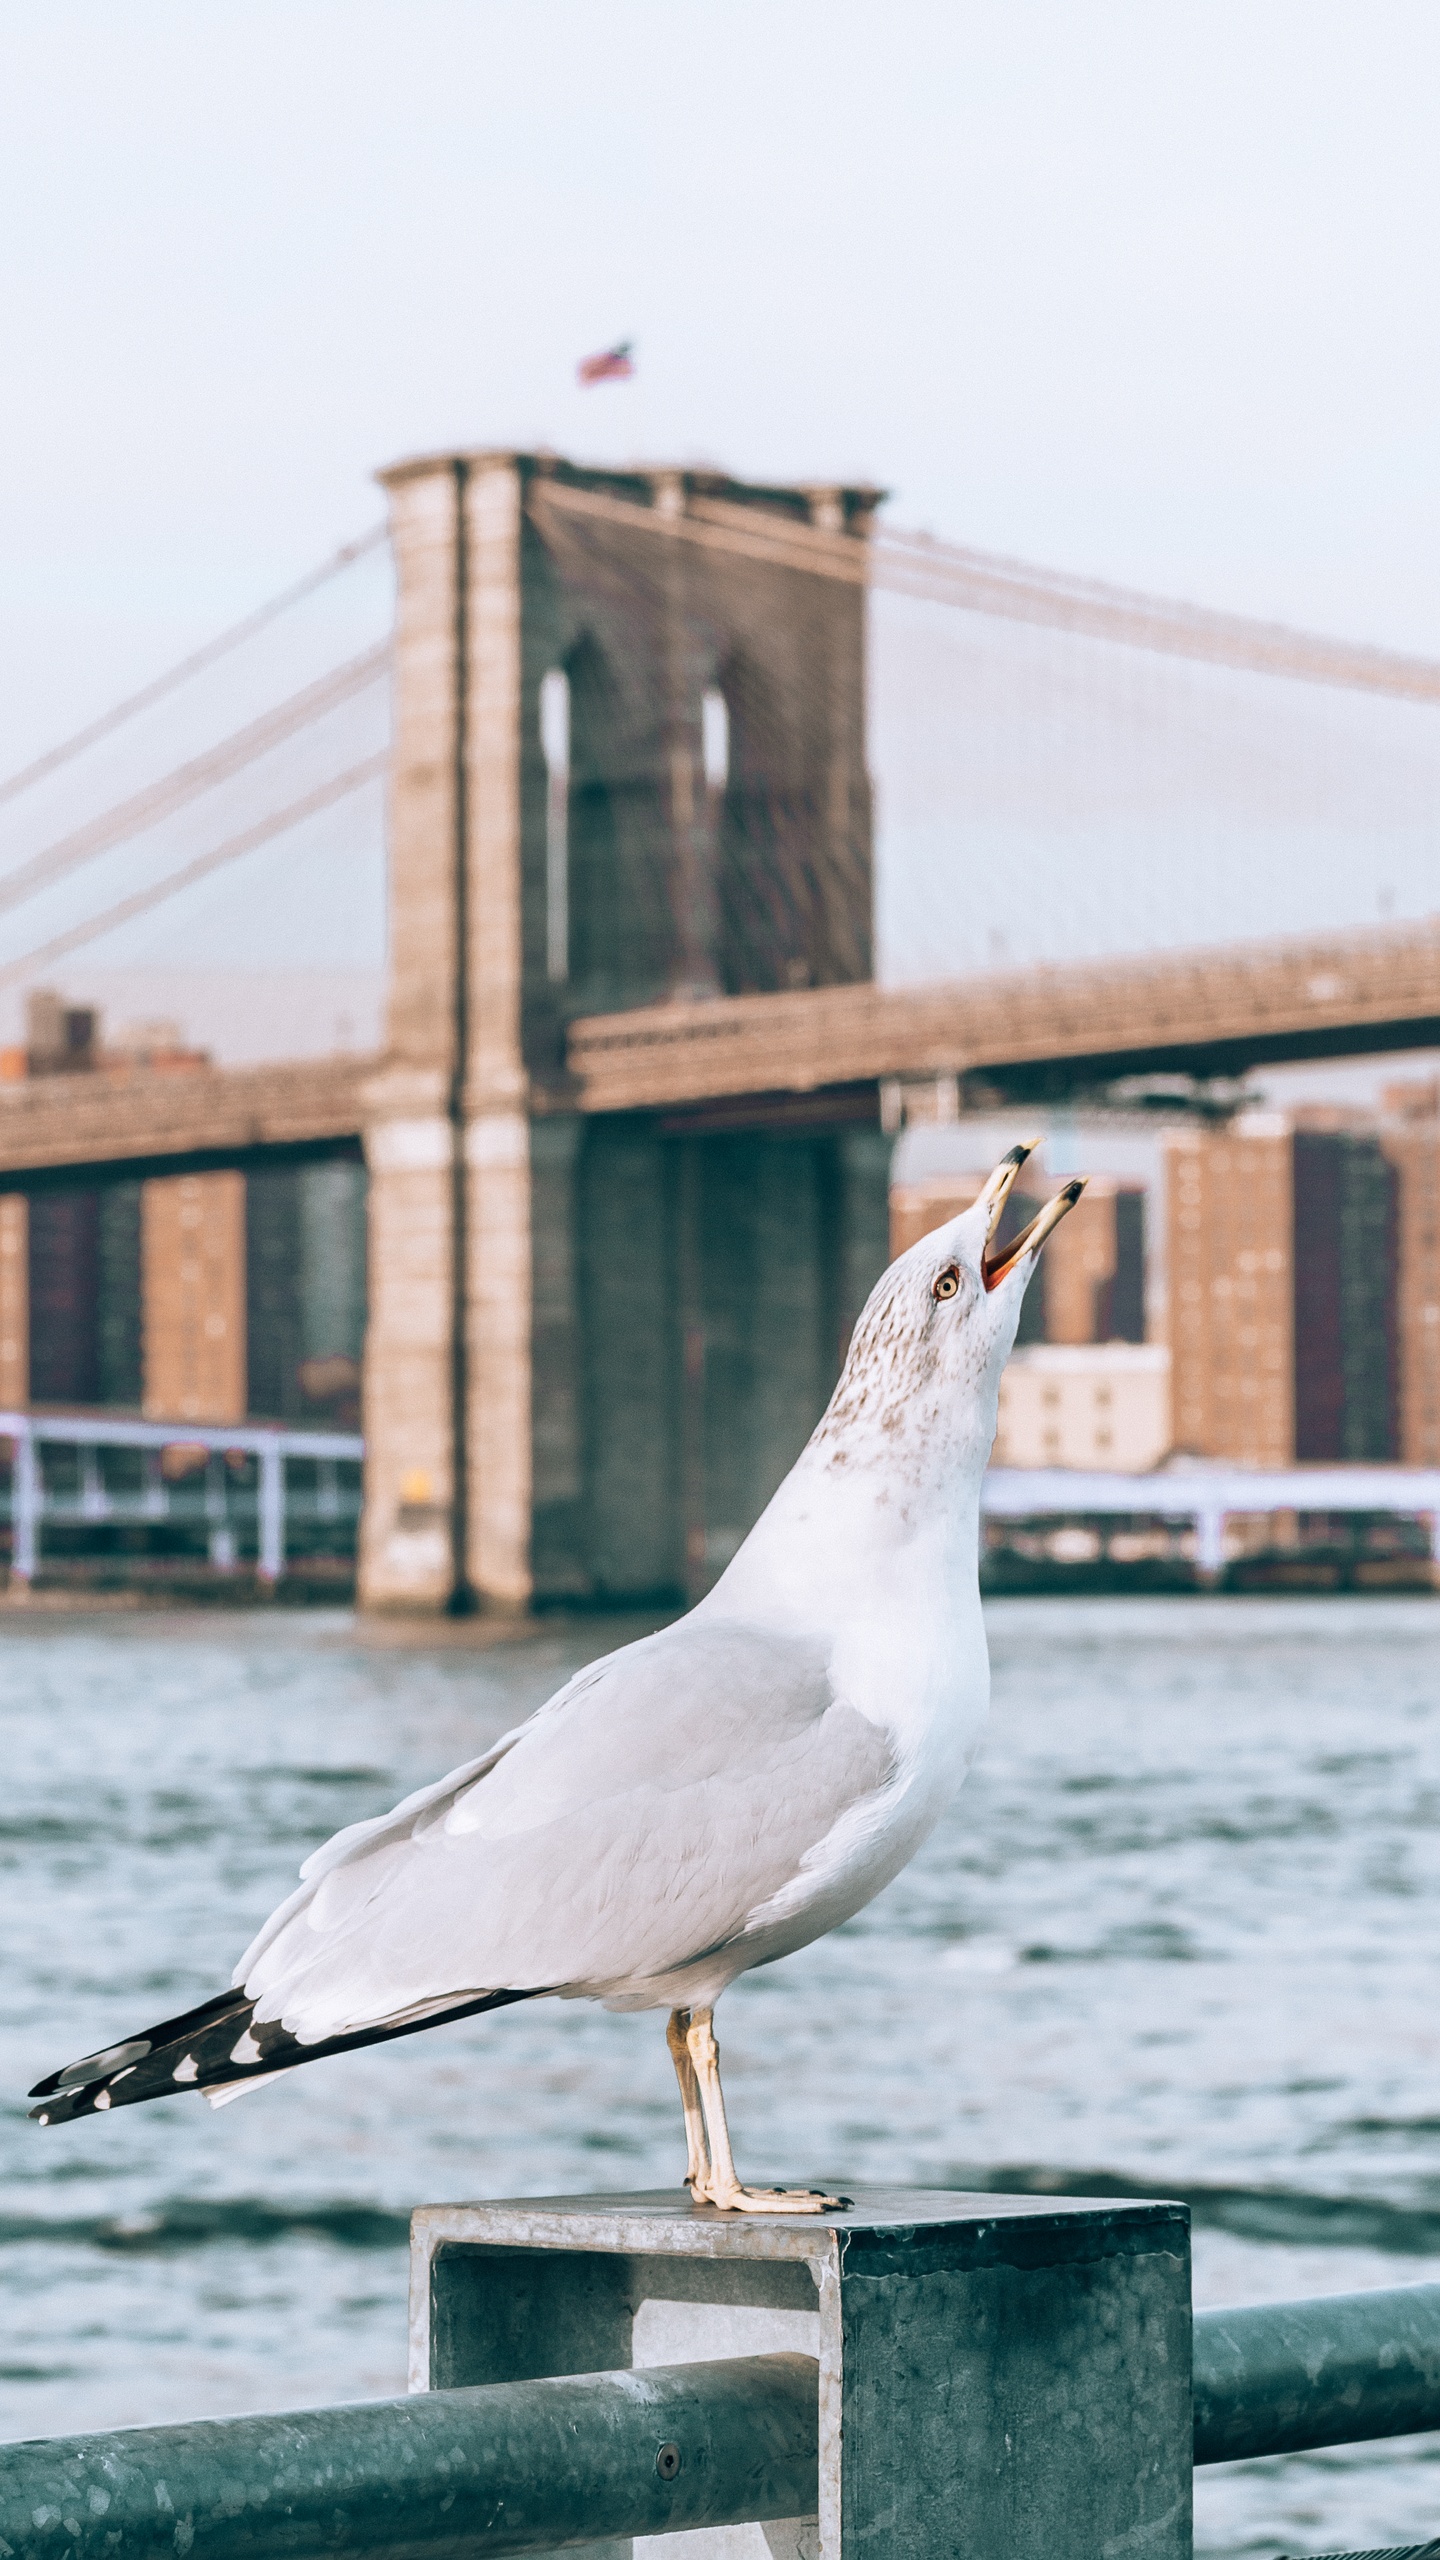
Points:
[503,2467]
[522,2466]
[237,1494]
[1206,1497]
[1341,2368]
[256,1506]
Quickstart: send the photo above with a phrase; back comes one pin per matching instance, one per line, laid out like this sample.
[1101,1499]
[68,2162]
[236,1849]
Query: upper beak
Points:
[1031,1238]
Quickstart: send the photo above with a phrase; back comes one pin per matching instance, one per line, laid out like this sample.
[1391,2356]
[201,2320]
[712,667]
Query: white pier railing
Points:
[259,1504]
[1204,1497]
[226,1501]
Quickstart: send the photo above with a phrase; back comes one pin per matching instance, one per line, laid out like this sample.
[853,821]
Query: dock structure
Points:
[914,2375]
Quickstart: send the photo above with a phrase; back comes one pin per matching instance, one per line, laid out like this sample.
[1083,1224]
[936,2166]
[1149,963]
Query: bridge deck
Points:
[154,1119]
[1202,1012]
[1205,1012]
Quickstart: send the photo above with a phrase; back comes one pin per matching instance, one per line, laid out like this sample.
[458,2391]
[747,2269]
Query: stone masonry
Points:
[579,1327]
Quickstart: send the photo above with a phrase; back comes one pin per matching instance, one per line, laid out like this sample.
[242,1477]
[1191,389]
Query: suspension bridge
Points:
[724,824]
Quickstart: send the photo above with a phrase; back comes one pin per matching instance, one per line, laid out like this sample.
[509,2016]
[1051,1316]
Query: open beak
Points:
[993,1199]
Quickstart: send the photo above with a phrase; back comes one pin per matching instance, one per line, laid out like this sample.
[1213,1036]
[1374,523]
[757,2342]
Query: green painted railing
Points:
[524,2466]
[513,2466]
[1284,2377]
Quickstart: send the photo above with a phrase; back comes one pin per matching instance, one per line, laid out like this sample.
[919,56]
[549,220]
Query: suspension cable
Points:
[194,665]
[187,781]
[140,901]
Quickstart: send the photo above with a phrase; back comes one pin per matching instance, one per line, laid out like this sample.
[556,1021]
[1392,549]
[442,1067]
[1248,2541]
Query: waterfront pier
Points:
[915,2376]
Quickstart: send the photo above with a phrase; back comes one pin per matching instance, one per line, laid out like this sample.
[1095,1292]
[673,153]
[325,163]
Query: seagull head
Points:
[920,1388]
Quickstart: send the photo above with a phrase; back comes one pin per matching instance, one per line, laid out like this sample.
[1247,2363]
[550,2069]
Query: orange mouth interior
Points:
[1031,1237]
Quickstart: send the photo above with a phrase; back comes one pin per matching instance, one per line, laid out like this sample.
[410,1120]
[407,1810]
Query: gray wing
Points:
[636,1821]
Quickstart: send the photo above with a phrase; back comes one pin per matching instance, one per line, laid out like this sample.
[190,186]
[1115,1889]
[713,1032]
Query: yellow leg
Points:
[697,2158]
[722,2187]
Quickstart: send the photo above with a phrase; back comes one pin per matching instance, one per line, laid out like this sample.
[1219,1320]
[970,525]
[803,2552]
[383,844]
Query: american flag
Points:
[615,365]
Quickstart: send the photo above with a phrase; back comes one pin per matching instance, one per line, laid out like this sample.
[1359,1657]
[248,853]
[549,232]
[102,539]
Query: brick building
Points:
[206,1297]
[1412,1147]
[1304,1292]
[1231,1291]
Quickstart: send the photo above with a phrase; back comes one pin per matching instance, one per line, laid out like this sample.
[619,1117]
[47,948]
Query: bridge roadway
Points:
[1030,1033]
[171,1121]
[1026,1034]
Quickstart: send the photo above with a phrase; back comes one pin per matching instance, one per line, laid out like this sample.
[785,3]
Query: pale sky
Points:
[1148,292]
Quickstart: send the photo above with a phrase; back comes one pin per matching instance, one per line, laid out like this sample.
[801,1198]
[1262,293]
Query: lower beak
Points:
[1031,1238]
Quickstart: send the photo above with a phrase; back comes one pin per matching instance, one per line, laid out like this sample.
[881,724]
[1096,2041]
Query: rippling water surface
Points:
[1179,1932]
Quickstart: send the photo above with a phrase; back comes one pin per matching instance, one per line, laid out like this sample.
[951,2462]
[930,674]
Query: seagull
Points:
[708,1799]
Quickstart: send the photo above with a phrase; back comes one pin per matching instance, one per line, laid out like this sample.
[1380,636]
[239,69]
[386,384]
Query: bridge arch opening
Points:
[555,747]
[617,910]
[763,849]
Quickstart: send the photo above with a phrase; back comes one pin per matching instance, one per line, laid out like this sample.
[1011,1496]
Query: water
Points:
[1178,1933]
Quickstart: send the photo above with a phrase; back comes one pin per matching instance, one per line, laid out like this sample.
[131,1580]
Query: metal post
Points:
[222,1536]
[998,2375]
[272,1512]
[26,1504]
[1209,1544]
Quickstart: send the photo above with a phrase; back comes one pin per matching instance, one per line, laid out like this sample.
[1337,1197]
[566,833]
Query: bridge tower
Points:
[629,765]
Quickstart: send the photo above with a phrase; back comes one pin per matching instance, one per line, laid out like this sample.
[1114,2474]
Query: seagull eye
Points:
[948,1282]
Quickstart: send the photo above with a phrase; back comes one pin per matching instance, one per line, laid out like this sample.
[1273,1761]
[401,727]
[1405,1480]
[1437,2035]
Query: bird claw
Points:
[738,2199]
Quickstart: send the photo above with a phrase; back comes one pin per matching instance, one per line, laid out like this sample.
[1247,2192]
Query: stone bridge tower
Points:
[629,764]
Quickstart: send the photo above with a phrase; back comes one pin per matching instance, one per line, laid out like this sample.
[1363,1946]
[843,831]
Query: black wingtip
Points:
[90,2099]
[198,2051]
[180,2053]
[95,2067]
